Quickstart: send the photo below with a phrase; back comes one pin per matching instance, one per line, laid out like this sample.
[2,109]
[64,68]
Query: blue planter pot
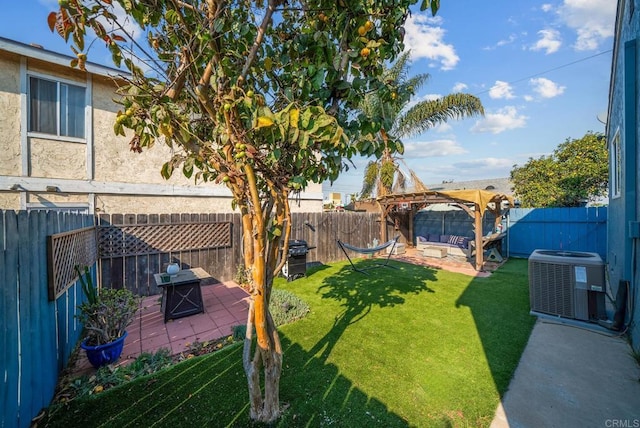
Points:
[102,355]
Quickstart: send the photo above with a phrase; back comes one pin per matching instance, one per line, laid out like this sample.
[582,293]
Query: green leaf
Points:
[118,129]
[187,168]
[172,17]
[167,170]
[218,25]
[304,142]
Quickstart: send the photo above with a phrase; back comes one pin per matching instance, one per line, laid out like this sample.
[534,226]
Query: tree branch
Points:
[261,31]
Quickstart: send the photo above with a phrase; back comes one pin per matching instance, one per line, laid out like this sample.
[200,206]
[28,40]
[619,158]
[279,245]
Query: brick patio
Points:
[225,305]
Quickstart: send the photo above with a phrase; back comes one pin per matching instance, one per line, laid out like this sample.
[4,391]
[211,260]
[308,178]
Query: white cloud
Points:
[443,127]
[490,164]
[430,97]
[546,88]
[459,87]
[425,39]
[546,7]
[502,120]
[433,148]
[593,21]
[549,41]
[501,90]
[512,38]
[528,98]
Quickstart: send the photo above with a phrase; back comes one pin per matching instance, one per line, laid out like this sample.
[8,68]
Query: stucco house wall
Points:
[623,249]
[97,173]
[9,114]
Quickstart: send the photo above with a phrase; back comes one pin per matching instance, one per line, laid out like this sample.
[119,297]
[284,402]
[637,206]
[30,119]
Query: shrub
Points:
[286,307]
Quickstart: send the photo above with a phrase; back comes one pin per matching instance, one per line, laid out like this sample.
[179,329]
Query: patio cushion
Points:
[459,241]
[431,237]
[445,238]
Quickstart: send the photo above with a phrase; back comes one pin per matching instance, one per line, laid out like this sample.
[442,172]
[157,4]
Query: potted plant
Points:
[105,316]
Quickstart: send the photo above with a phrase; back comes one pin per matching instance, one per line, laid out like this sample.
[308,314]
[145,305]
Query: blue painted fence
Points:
[38,335]
[570,229]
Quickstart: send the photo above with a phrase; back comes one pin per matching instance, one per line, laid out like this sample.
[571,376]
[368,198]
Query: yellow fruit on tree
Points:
[364,52]
[362,31]
[368,26]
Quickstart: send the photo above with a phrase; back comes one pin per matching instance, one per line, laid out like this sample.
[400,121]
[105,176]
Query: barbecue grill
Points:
[296,265]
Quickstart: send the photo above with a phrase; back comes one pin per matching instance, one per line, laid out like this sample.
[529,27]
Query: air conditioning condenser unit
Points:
[568,284]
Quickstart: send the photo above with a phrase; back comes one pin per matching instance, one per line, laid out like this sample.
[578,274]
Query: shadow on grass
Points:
[500,309]
[318,395]
[210,391]
[358,293]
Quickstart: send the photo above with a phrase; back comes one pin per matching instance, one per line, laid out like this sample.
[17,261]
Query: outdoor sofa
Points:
[456,245]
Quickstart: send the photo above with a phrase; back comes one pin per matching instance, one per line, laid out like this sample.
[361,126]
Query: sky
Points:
[540,68]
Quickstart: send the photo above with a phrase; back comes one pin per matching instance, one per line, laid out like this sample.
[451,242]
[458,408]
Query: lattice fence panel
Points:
[64,252]
[131,240]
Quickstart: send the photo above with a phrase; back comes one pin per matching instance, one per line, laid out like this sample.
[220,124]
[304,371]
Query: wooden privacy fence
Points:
[132,248]
[65,251]
[38,334]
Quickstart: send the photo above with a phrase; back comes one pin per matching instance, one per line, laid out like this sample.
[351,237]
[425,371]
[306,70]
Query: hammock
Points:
[371,250]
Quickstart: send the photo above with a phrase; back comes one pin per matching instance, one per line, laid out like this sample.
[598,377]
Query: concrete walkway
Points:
[570,376]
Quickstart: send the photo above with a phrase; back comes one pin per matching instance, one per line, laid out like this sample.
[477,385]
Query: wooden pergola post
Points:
[383,221]
[478,229]
[411,211]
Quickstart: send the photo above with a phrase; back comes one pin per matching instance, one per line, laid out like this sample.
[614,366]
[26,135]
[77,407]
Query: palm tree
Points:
[401,120]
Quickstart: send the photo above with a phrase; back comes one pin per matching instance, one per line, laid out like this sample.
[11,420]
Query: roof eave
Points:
[42,54]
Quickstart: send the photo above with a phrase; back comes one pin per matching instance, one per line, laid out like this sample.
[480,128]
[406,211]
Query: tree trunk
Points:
[265,353]
[263,408]
[260,256]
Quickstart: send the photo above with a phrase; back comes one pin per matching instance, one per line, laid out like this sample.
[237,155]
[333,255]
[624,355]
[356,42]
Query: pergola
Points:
[473,202]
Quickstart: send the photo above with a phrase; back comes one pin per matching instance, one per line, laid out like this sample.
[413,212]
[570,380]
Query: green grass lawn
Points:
[411,346]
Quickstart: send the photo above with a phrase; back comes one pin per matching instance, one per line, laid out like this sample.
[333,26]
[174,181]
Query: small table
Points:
[439,252]
[181,294]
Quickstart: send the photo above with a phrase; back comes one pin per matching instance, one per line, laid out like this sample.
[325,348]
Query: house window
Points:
[56,108]
[616,165]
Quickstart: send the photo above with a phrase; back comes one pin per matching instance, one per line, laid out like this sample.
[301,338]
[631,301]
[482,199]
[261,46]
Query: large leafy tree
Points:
[576,172]
[258,95]
[402,119]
